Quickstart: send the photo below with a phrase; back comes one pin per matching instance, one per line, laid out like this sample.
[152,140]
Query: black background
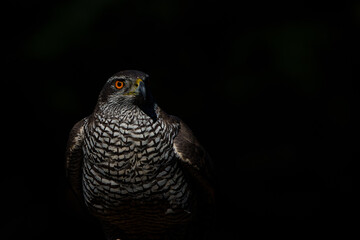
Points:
[269,88]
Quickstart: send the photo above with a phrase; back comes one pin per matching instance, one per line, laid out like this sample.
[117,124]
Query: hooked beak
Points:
[140,88]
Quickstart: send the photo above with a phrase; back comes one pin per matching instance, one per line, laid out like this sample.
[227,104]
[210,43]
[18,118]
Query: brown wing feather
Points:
[193,157]
[197,163]
[74,157]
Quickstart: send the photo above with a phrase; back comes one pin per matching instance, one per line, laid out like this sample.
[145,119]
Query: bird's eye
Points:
[119,84]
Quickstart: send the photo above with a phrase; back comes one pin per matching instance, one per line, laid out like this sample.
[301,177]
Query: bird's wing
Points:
[74,157]
[198,167]
[195,159]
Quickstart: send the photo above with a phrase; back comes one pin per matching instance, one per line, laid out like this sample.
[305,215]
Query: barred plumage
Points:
[136,167]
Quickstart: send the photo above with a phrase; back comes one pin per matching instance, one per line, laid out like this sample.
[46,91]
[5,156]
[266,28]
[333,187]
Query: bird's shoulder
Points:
[74,156]
[76,134]
[186,145]
[192,155]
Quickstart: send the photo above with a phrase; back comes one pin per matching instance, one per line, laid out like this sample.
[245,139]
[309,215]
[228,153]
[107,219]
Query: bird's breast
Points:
[130,142]
[127,160]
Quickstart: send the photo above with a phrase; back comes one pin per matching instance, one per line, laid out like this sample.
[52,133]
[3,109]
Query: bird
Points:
[140,171]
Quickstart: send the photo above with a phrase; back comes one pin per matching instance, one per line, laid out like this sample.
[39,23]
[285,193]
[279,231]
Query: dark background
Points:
[269,88]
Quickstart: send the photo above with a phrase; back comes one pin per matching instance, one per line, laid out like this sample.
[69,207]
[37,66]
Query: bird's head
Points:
[125,88]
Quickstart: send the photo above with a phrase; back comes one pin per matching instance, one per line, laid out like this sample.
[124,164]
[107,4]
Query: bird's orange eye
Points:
[119,84]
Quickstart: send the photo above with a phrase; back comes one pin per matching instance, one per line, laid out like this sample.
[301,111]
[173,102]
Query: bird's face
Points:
[126,87]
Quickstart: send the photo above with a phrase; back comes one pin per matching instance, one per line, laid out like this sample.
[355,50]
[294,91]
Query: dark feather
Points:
[198,165]
[74,157]
[193,157]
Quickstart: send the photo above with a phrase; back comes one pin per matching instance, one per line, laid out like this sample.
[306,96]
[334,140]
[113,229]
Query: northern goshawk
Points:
[140,171]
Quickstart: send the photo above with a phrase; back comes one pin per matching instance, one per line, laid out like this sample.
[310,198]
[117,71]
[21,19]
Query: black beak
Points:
[141,90]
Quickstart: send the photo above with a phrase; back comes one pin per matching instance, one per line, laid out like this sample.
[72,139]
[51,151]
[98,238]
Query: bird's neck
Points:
[127,110]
